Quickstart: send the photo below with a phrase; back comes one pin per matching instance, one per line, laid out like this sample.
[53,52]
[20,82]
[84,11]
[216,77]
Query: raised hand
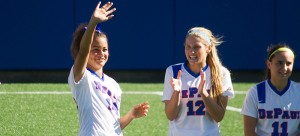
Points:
[104,13]
[176,82]
[201,89]
[140,110]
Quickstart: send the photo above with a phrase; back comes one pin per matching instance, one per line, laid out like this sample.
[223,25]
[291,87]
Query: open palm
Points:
[201,89]
[176,82]
[104,13]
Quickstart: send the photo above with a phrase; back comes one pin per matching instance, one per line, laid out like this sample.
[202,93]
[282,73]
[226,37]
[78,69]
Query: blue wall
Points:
[149,35]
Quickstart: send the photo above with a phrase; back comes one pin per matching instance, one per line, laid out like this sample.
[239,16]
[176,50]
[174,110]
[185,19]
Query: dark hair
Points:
[77,36]
[270,50]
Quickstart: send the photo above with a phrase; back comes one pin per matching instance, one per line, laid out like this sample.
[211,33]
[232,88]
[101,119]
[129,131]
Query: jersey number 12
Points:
[198,111]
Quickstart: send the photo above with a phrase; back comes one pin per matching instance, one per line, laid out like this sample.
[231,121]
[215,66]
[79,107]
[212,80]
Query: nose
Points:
[285,67]
[100,52]
[193,50]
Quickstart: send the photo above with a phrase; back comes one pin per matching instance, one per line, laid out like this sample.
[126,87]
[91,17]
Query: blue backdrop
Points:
[147,35]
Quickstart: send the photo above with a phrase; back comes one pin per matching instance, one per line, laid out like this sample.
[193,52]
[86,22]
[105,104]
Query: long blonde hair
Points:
[212,59]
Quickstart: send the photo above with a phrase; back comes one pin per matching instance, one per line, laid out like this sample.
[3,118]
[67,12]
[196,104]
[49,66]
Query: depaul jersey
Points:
[192,118]
[98,101]
[277,112]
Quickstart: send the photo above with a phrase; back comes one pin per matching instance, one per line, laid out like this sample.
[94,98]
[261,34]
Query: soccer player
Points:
[196,92]
[272,107]
[98,97]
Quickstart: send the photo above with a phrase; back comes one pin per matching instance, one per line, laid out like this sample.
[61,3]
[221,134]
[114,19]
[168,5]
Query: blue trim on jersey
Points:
[191,72]
[176,68]
[261,92]
[94,73]
[278,92]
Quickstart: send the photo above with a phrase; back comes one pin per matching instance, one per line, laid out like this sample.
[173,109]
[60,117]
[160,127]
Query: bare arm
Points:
[249,126]
[137,111]
[215,109]
[172,105]
[100,15]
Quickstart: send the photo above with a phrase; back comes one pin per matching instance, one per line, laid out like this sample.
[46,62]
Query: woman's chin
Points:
[193,61]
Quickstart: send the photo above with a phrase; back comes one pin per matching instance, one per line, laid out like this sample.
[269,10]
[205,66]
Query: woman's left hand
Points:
[104,13]
[140,110]
[201,89]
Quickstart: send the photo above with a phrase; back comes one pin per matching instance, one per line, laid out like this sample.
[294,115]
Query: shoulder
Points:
[225,73]
[71,78]
[257,87]
[175,65]
[295,85]
[109,79]
[225,70]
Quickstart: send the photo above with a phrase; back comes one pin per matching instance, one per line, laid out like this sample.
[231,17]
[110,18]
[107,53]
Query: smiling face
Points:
[196,51]
[281,65]
[98,55]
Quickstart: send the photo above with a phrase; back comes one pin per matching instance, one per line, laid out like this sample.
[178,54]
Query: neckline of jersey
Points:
[185,65]
[279,92]
[94,73]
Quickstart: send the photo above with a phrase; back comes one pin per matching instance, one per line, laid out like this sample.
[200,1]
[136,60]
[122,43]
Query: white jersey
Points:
[277,112]
[98,101]
[192,118]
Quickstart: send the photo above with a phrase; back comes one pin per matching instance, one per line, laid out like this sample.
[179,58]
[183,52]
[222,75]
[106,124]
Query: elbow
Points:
[219,119]
[170,115]
[171,118]
[122,127]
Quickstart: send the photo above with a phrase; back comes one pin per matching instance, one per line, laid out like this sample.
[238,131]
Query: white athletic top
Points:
[277,112]
[192,118]
[98,101]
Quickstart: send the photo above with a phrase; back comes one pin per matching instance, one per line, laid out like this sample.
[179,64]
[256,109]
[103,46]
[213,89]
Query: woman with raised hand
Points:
[97,96]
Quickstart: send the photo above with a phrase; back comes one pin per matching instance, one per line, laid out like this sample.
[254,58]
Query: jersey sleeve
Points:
[227,84]
[73,84]
[250,103]
[168,90]
[71,79]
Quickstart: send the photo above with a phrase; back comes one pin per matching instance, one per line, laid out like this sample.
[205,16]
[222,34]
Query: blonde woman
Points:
[196,92]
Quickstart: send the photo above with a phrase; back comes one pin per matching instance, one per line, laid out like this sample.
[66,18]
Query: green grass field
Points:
[56,115]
